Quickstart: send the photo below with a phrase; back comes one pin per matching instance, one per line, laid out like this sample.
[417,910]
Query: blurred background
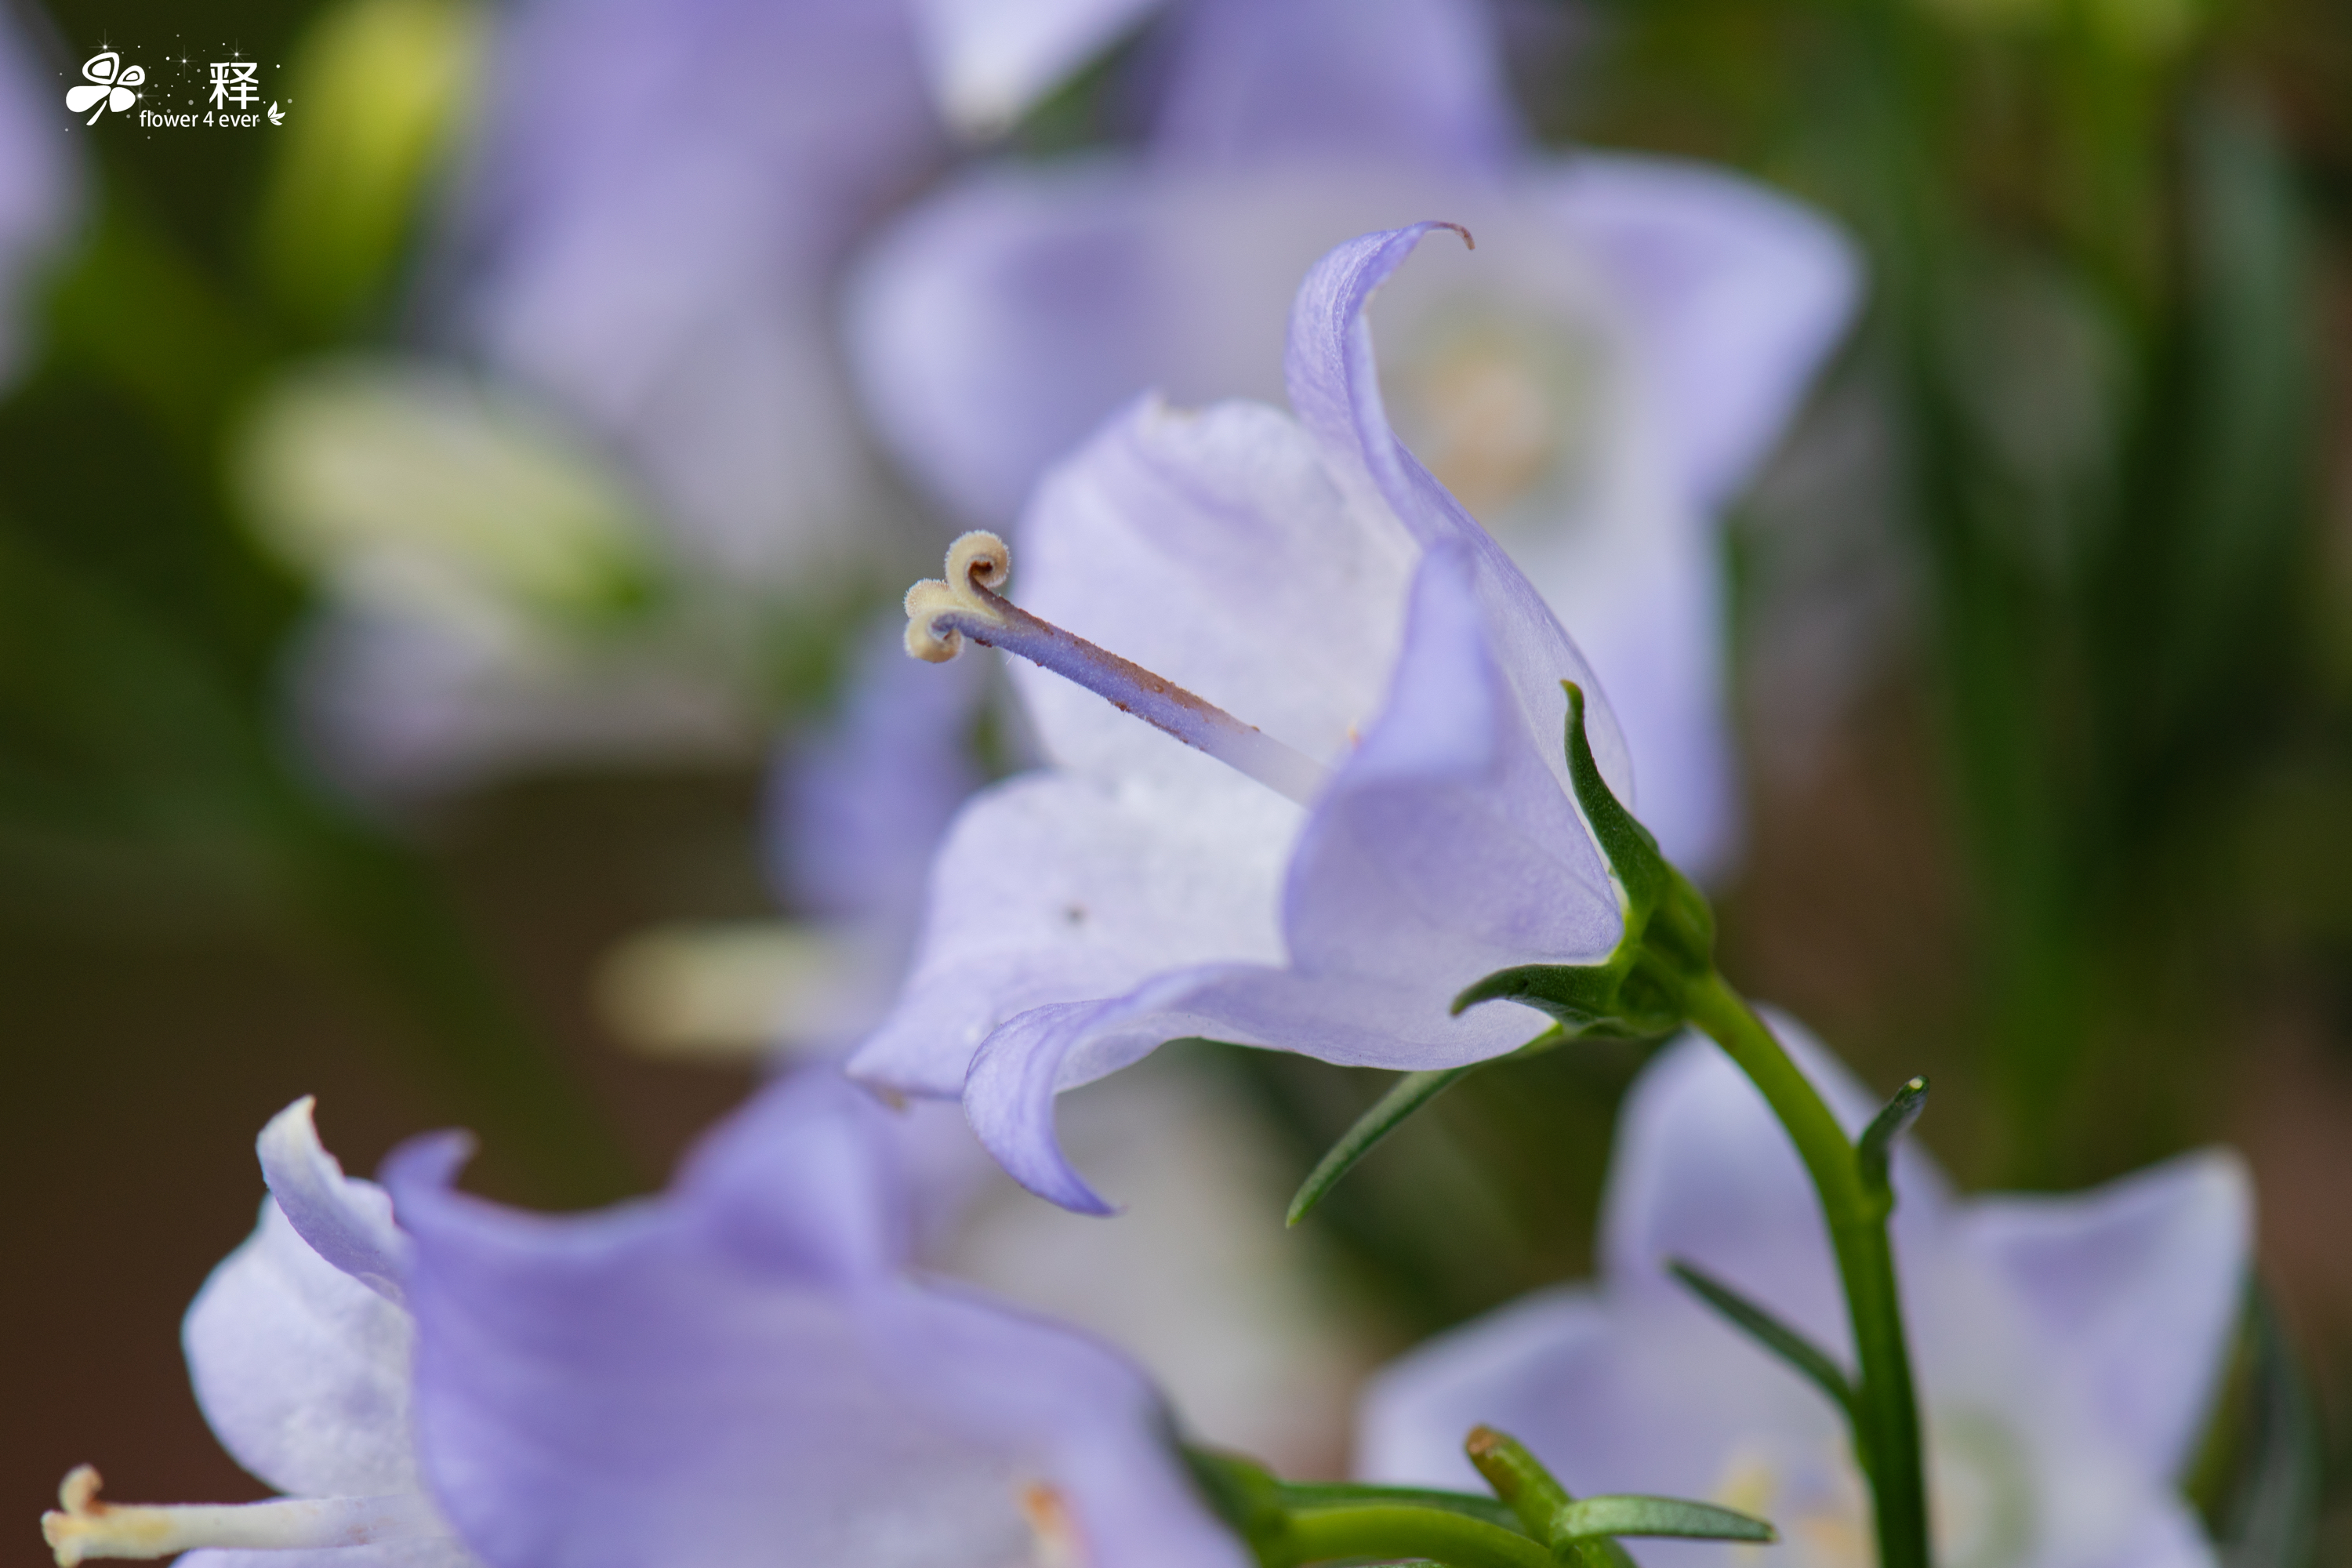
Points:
[440,535]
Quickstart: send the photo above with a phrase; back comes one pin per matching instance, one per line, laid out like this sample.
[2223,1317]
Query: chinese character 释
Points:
[236,82]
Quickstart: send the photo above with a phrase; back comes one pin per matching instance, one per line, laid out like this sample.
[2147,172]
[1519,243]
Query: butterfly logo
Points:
[277,115]
[108,86]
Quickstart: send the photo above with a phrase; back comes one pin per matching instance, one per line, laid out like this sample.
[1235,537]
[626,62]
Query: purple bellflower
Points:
[738,1368]
[743,1369]
[1394,818]
[299,1347]
[1596,385]
[2067,1349]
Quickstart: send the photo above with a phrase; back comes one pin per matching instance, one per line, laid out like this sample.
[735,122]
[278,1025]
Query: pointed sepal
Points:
[1583,1532]
[1875,1148]
[1639,991]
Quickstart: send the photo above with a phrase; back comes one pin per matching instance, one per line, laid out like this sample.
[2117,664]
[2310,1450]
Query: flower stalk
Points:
[1885,1413]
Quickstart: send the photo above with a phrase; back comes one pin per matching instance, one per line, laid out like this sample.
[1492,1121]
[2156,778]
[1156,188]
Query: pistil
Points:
[942,612]
[83,1527]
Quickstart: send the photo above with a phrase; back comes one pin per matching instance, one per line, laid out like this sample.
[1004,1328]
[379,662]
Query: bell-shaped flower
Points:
[1596,385]
[657,198]
[299,1347]
[741,1370]
[1384,817]
[2067,1349]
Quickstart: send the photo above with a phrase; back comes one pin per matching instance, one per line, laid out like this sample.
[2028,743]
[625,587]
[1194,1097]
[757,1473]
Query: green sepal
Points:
[1287,1524]
[1638,992]
[1766,1329]
[1583,1533]
[1875,1147]
[1407,1095]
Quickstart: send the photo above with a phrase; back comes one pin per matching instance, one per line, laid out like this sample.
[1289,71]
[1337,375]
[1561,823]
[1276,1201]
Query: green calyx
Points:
[1640,991]
[1529,1522]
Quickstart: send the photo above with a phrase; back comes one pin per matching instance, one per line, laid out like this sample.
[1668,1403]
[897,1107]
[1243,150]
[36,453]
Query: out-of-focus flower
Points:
[40,185]
[741,1369]
[1388,664]
[660,194]
[299,1347]
[989,60]
[1596,385]
[856,802]
[1248,1327]
[2067,1348]
[858,807]
[499,584]
[654,205]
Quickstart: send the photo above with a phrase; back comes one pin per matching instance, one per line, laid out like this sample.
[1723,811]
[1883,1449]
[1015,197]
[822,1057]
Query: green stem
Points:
[1886,1415]
[1389,1532]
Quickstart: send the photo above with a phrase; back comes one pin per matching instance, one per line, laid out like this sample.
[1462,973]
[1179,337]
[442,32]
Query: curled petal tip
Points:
[1468,243]
[978,564]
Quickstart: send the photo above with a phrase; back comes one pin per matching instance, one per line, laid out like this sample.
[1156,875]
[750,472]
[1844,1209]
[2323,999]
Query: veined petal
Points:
[2138,1285]
[1350,1019]
[1210,548]
[1736,292]
[1400,82]
[347,1223]
[668,1382]
[1335,391]
[1055,888]
[1444,850]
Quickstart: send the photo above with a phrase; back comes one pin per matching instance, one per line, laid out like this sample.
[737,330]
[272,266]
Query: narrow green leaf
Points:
[1407,1095]
[1404,1097]
[1875,1147]
[1771,1333]
[1616,1515]
[1392,1532]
